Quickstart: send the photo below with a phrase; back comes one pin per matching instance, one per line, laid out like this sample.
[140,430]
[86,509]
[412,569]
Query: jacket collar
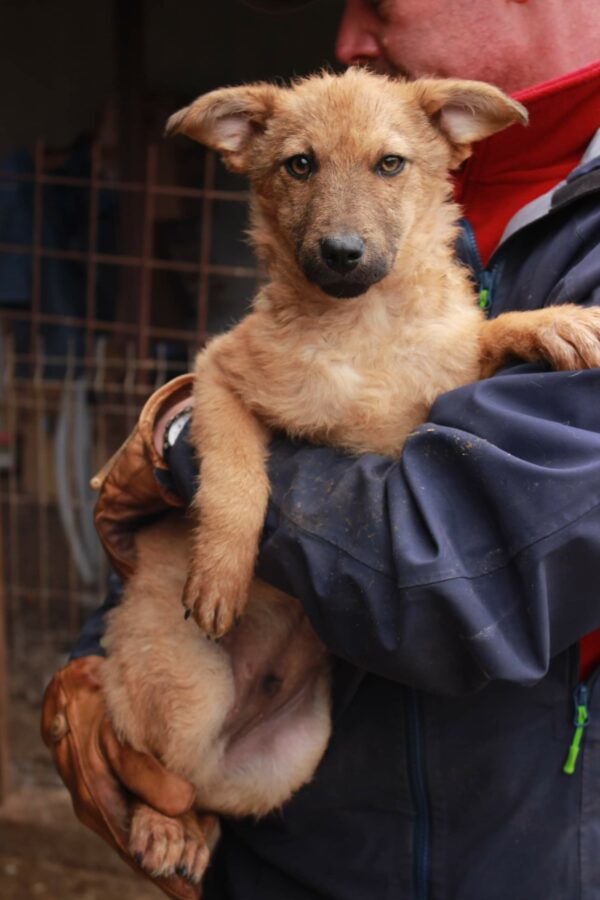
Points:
[563,193]
[512,168]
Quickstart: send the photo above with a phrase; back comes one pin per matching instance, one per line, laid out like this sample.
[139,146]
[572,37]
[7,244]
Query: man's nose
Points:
[356,41]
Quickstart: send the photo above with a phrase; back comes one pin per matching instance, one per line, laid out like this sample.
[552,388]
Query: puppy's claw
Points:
[215,618]
[205,617]
[224,622]
[196,858]
[192,589]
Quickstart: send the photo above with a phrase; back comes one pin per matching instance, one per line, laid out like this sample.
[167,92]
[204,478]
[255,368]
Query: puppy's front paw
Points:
[571,338]
[216,598]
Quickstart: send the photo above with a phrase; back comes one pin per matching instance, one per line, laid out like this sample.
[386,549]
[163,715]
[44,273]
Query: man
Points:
[464,761]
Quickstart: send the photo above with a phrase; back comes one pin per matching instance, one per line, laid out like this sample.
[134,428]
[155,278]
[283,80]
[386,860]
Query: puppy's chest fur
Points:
[359,378]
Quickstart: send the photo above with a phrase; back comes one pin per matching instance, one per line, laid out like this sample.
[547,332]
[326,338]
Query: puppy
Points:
[365,320]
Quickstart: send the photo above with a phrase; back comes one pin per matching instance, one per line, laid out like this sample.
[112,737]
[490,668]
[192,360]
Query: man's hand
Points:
[102,774]
[135,485]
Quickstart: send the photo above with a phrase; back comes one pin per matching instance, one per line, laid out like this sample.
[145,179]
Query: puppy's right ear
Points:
[466,111]
[227,120]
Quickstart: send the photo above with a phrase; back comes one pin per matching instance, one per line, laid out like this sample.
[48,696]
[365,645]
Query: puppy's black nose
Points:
[342,252]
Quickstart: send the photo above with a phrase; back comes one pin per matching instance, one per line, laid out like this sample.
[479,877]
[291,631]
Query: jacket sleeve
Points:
[475,557]
[89,641]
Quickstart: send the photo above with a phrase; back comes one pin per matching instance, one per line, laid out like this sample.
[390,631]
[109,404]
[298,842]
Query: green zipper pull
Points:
[484,300]
[581,719]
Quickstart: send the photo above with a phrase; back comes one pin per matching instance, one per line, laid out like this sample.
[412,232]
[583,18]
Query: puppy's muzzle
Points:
[342,265]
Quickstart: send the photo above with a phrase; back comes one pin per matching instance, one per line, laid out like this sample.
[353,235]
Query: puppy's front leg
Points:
[230,503]
[567,337]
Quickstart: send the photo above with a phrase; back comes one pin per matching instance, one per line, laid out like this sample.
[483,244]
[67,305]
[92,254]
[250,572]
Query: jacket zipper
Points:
[418,789]
[484,278]
[581,719]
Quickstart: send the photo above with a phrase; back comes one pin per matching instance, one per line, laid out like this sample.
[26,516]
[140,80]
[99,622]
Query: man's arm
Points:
[475,557]
[89,640]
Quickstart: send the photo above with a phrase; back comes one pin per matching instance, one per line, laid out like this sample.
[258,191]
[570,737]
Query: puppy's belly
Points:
[246,720]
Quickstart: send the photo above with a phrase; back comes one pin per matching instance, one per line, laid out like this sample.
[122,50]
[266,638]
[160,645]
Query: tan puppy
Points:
[365,320]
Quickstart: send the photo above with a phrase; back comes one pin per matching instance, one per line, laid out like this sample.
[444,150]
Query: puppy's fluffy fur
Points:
[348,352]
[180,696]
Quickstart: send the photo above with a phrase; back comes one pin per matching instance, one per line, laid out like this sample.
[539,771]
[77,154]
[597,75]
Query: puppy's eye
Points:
[299,166]
[390,165]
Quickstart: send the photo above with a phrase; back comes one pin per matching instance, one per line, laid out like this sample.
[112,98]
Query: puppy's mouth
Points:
[344,285]
[345,290]
[342,263]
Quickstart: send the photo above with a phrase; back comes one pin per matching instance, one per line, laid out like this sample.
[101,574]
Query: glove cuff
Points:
[132,485]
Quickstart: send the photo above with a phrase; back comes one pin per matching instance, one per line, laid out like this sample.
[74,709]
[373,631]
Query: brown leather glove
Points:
[99,771]
[130,487]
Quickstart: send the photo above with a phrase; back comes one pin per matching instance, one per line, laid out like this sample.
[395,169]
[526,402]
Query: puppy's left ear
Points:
[467,111]
[227,120]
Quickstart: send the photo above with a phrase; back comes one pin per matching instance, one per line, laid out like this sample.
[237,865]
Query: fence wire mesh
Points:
[107,289]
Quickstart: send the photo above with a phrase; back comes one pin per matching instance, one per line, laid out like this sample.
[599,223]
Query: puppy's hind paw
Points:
[201,833]
[156,842]
[166,848]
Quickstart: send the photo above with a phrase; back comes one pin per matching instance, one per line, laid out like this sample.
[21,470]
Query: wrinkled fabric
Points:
[459,581]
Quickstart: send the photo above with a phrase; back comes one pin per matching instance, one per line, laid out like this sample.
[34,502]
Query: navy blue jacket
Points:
[453,587]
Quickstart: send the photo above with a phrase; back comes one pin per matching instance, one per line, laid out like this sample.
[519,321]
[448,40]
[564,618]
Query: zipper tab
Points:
[580,721]
[485,290]
[468,253]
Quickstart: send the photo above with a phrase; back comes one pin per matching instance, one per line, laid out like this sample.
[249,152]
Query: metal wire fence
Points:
[89,326]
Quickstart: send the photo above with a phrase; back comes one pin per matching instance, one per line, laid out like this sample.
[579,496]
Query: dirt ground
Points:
[45,853]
